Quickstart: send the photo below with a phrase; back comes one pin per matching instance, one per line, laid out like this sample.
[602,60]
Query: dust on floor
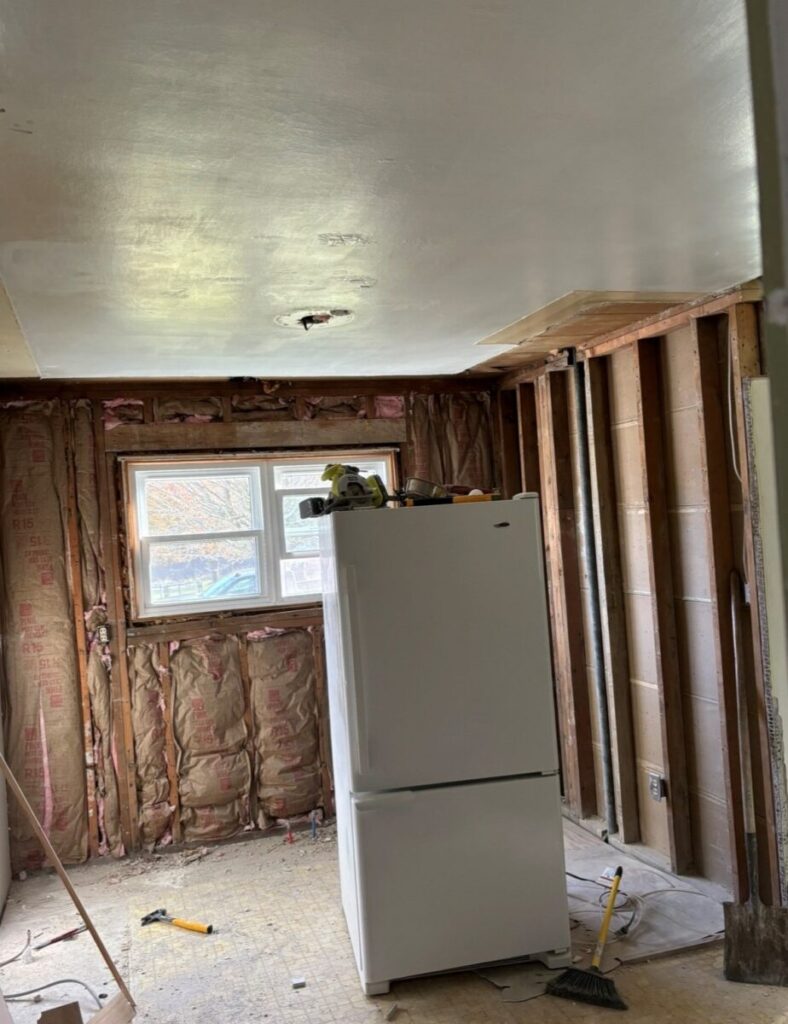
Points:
[276,908]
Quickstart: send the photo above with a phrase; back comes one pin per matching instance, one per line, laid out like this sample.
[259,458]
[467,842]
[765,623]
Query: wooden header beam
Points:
[307,387]
[680,316]
[190,437]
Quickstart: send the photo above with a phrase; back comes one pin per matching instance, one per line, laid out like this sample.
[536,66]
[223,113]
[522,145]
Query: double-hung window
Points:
[226,533]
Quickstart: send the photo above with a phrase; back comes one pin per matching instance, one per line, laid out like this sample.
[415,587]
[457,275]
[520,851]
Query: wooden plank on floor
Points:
[564,595]
[508,442]
[528,438]
[611,598]
[190,437]
[714,465]
[648,377]
[744,353]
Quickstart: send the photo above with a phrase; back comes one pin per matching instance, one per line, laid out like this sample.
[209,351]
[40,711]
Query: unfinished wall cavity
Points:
[453,442]
[150,749]
[104,754]
[214,773]
[190,728]
[285,714]
[673,530]
[41,689]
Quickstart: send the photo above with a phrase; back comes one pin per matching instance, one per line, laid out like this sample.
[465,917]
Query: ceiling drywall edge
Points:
[574,304]
[16,359]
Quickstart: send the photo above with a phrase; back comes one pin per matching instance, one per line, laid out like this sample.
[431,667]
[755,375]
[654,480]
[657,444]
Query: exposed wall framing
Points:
[564,585]
[148,775]
[671,522]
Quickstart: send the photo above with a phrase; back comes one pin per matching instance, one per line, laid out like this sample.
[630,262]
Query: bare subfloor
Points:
[276,908]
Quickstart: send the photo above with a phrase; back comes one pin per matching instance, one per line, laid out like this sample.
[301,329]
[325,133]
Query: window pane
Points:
[301,535]
[213,503]
[306,475]
[206,570]
[300,476]
[300,576]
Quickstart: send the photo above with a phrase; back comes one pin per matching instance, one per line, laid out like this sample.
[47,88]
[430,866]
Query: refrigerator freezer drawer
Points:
[455,876]
[436,632]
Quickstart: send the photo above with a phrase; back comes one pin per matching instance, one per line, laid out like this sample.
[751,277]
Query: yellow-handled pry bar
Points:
[178,922]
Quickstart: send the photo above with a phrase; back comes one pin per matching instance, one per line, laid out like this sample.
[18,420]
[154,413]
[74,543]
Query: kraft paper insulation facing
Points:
[328,407]
[122,410]
[262,407]
[104,755]
[188,410]
[214,774]
[43,726]
[147,713]
[87,506]
[283,688]
[452,439]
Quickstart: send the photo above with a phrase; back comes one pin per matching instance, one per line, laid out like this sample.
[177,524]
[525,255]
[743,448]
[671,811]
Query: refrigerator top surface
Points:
[441,661]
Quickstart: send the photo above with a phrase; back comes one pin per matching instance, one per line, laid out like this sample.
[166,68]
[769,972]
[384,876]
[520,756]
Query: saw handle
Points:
[192,926]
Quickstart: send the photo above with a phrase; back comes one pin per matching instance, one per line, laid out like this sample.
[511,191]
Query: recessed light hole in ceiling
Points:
[313,319]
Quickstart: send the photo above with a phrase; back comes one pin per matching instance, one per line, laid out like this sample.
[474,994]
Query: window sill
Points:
[246,620]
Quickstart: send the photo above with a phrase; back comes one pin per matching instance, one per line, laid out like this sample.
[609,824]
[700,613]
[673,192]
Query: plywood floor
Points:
[277,911]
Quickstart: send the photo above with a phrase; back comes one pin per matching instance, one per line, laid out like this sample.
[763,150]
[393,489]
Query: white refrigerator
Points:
[443,738]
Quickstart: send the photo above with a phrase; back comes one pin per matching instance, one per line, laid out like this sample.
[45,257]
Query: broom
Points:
[590,986]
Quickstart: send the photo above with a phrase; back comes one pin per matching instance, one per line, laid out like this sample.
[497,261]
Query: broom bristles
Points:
[587,987]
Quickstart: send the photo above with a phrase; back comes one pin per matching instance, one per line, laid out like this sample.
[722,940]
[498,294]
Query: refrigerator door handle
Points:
[355,686]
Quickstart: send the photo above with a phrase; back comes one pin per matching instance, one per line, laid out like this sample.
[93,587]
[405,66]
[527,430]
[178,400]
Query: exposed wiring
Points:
[21,953]
[591,881]
[53,984]
[629,905]
[632,904]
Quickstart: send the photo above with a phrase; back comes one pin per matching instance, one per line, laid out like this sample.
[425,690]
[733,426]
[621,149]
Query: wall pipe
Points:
[588,540]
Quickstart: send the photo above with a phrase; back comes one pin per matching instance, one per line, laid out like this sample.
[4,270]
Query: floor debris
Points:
[281,917]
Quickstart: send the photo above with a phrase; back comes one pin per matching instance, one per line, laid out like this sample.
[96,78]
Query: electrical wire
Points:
[631,903]
[52,984]
[21,953]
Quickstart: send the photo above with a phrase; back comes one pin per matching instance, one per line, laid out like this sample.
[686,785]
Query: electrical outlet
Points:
[103,634]
[657,786]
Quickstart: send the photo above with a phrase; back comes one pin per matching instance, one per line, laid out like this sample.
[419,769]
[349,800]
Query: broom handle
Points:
[611,904]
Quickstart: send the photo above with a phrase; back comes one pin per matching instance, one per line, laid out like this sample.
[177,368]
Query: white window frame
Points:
[268,529]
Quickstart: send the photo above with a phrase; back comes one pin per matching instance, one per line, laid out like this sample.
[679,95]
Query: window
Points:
[227,533]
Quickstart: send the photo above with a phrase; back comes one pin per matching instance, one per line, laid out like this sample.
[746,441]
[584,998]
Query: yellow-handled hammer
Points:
[179,922]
